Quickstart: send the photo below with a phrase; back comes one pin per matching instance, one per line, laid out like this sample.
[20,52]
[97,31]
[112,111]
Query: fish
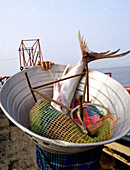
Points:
[64,91]
[92,56]
[68,87]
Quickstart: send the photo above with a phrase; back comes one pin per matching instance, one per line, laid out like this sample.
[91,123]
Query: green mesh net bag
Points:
[46,121]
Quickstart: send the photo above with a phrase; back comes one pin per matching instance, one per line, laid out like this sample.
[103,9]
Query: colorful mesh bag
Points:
[46,121]
[89,116]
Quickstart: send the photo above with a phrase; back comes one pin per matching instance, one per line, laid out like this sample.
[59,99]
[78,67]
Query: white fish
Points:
[68,87]
[64,91]
[57,90]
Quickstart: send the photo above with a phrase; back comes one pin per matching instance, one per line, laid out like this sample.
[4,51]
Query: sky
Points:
[105,24]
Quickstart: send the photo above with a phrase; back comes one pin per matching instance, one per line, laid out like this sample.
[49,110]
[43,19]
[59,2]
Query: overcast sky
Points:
[105,25]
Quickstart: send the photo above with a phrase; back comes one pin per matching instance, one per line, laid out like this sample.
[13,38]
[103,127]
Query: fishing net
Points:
[46,121]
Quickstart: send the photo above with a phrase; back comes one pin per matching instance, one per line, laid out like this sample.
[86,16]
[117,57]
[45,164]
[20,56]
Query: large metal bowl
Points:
[16,102]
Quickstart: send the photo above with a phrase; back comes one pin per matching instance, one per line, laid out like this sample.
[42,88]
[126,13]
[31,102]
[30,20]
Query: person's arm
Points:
[45,64]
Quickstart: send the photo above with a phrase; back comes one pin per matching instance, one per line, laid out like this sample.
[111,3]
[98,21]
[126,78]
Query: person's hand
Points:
[45,64]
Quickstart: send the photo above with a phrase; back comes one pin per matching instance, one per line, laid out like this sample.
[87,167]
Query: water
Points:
[121,74]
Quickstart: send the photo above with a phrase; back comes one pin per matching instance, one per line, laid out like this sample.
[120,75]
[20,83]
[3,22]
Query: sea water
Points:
[121,74]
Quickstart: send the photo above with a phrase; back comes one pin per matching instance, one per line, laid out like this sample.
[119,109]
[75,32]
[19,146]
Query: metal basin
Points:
[16,102]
